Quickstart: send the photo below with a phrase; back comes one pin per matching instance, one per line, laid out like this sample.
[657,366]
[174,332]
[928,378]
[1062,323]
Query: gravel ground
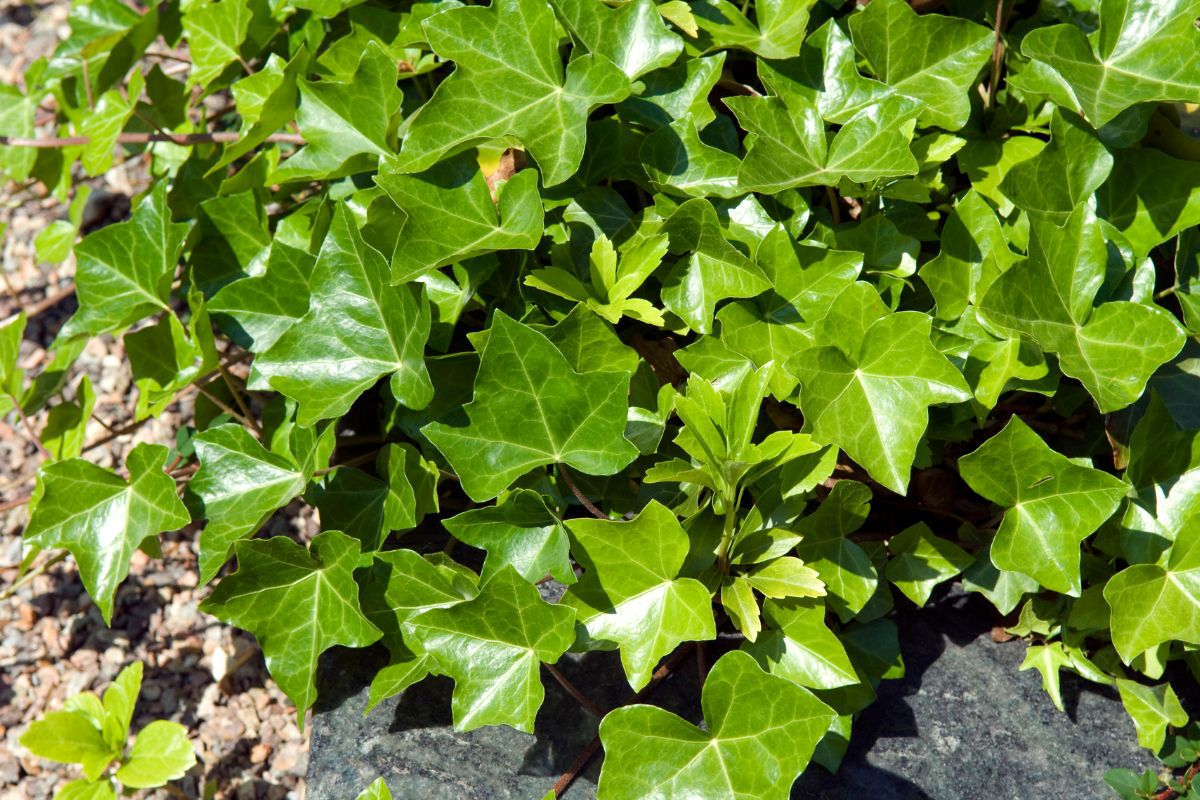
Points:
[53,642]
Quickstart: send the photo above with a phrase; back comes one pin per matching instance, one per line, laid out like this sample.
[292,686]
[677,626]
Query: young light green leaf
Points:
[70,737]
[161,753]
[378,790]
[493,646]
[101,518]
[297,603]
[512,45]
[751,748]
[1152,709]
[786,577]
[580,418]
[1052,504]
[638,603]
[119,700]
[358,329]
[742,606]
[215,30]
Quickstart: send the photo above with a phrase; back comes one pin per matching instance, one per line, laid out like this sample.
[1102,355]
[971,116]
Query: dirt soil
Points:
[53,642]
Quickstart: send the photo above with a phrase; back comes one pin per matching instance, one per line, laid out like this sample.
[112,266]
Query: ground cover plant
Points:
[743,323]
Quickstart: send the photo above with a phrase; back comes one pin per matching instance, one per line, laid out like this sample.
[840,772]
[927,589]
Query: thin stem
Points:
[28,426]
[566,475]
[228,409]
[87,84]
[731,506]
[577,766]
[11,504]
[352,462]
[33,573]
[571,689]
[1170,290]
[997,57]
[237,397]
[184,139]
[834,206]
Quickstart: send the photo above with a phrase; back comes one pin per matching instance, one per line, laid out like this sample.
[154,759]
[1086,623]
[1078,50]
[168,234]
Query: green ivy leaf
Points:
[1138,55]
[800,647]
[1150,197]
[456,188]
[1152,604]
[124,272]
[493,646]
[239,485]
[626,585]
[1052,504]
[345,123]
[398,585]
[874,403]
[787,144]
[1112,348]
[974,252]
[714,271]
[582,415]
[921,560]
[263,306]
[101,518]
[631,36]
[215,30]
[846,570]
[359,323]
[511,44]
[1063,175]
[1152,709]
[778,34]
[521,532]
[751,748]
[297,603]
[931,58]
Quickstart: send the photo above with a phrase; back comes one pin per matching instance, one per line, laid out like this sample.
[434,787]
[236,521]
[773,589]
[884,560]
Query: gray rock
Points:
[963,724]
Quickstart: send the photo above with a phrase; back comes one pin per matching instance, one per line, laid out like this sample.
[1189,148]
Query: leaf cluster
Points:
[645,326]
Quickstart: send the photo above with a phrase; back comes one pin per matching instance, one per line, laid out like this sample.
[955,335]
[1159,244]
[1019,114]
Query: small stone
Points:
[259,753]
[288,759]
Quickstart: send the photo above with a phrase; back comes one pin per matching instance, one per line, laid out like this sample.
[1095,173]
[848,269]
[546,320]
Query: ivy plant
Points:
[669,327]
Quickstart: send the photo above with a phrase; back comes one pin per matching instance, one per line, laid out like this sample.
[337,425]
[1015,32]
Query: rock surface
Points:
[963,723]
